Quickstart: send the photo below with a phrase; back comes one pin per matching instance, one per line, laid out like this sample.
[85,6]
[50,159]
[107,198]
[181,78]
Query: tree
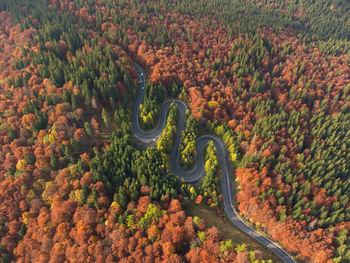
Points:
[53,162]
[106,117]
[165,141]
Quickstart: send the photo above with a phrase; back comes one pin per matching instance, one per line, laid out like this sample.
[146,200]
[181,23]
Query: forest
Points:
[271,78]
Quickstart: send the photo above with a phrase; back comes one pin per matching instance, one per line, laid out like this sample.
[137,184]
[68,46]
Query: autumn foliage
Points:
[286,101]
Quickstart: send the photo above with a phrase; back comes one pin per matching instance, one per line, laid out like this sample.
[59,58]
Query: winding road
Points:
[196,173]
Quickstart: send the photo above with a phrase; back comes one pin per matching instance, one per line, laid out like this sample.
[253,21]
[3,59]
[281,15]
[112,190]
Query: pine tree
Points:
[54,162]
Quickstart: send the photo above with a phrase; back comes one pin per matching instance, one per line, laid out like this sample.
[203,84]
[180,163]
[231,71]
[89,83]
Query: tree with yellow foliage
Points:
[210,167]
[165,141]
[21,165]
[188,149]
[150,107]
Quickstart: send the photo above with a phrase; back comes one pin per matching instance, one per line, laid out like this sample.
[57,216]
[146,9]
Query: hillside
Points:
[271,78]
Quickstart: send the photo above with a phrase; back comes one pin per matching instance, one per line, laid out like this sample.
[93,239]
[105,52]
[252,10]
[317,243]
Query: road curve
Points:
[196,173]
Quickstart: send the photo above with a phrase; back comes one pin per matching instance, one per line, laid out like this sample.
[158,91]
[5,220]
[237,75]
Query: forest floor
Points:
[228,230]
[106,133]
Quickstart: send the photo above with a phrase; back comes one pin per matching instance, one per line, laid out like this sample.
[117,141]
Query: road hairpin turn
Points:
[197,172]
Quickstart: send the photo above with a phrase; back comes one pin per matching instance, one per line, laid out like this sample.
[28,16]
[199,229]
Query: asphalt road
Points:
[196,173]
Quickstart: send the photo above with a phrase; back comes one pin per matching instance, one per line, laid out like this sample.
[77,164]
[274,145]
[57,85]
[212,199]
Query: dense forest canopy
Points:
[271,78]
